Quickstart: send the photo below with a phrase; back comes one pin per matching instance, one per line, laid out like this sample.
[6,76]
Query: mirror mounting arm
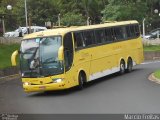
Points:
[13,57]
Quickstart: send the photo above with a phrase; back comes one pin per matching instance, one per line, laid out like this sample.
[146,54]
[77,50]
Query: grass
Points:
[152,48]
[157,74]
[5,54]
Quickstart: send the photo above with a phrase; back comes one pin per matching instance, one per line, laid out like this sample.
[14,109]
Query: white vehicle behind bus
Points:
[16,33]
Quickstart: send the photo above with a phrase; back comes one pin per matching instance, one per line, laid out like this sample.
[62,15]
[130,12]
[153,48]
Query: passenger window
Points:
[124,32]
[118,33]
[93,37]
[137,31]
[78,40]
[128,31]
[108,35]
[100,36]
[89,37]
[132,30]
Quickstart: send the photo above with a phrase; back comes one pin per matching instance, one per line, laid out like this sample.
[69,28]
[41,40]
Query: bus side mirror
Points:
[61,53]
[13,58]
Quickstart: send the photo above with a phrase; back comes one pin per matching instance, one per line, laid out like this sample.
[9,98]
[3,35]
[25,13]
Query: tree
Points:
[10,17]
[45,10]
[92,9]
[42,11]
[152,18]
[73,19]
[118,10]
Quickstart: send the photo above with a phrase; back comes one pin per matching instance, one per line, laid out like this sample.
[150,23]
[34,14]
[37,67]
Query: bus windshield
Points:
[39,57]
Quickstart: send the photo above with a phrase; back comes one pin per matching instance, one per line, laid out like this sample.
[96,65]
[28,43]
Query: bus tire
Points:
[81,80]
[129,65]
[122,67]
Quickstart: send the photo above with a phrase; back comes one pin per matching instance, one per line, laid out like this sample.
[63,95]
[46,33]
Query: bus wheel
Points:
[122,67]
[129,65]
[81,80]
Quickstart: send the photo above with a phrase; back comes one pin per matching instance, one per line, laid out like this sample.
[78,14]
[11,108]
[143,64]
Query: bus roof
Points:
[62,31]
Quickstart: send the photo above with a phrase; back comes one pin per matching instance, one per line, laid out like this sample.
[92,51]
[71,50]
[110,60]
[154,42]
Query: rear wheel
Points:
[122,67]
[129,65]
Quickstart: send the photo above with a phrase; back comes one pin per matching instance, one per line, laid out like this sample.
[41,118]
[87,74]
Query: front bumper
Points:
[44,87]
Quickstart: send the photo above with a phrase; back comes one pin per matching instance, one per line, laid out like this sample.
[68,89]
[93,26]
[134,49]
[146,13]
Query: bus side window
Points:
[89,37]
[124,32]
[128,31]
[114,34]
[108,35]
[68,51]
[137,30]
[93,37]
[132,31]
[100,36]
[78,40]
[118,33]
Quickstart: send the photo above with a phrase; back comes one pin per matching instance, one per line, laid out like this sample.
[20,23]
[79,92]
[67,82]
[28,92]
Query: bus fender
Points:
[81,70]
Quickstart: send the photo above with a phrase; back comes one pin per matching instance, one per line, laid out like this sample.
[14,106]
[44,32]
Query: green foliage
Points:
[118,10]
[42,11]
[72,19]
[92,9]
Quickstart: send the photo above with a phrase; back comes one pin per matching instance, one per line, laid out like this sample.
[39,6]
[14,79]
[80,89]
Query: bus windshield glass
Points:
[39,57]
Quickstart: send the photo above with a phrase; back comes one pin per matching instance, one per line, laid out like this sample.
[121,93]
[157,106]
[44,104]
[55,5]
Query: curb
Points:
[9,71]
[154,79]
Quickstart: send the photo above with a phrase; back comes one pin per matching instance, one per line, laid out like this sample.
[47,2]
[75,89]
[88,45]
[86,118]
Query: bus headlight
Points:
[26,83]
[57,80]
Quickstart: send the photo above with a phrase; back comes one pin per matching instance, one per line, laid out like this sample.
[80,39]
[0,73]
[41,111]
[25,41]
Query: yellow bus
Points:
[66,57]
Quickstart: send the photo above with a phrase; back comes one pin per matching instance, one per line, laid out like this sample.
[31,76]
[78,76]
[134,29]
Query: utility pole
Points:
[30,23]
[144,27]
[3,25]
[59,19]
[26,14]
[88,20]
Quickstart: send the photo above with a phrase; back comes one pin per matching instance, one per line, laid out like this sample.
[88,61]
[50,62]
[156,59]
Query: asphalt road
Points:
[129,93]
